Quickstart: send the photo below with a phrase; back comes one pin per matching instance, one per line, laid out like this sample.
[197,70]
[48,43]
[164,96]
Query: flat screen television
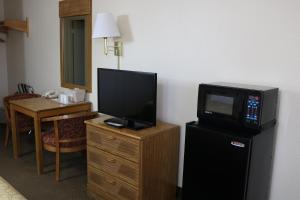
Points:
[128,96]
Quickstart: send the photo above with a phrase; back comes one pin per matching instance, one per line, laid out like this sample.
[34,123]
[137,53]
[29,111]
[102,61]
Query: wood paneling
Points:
[69,8]
[152,174]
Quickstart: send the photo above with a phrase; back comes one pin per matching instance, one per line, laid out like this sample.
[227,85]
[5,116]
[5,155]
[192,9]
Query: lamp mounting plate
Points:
[118,48]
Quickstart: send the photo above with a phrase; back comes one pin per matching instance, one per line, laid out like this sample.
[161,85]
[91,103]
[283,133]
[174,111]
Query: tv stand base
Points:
[123,123]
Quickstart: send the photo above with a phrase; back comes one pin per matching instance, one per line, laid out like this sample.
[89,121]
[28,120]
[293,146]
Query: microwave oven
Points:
[237,105]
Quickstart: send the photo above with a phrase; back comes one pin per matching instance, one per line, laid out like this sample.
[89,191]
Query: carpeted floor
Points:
[22,174]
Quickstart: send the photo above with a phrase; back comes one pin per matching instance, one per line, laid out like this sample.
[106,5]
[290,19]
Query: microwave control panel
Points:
[252,110]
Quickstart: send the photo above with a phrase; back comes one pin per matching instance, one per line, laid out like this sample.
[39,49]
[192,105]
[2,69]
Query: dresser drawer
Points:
[114,143]
[98,194]
[113,186]
[116,166]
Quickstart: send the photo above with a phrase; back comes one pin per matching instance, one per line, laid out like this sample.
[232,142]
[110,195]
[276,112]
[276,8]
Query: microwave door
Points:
[219,104]
[223,106]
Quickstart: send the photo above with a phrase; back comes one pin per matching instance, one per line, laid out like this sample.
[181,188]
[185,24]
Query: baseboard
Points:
[179,193]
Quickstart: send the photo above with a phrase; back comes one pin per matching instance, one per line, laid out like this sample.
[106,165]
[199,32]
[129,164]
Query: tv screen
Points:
[128,95]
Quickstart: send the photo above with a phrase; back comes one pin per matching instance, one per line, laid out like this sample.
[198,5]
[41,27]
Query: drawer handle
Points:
[111,160]
[112,182]
[110,138]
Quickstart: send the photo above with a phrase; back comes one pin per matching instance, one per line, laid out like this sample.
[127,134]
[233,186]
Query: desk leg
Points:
[38,145]
[15,134]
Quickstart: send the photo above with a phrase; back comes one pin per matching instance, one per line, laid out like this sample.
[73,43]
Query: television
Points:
[128,96]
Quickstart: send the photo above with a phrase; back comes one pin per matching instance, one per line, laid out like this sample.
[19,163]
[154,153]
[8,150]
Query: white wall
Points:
[34,59]
[3,65]
[42,47]
[193,41]
[186,43]
[14,47]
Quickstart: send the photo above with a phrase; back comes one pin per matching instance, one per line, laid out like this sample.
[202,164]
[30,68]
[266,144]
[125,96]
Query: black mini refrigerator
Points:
[229,150]
[220,164]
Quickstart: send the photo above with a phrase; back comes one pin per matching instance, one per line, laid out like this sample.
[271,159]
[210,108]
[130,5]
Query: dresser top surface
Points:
[136,134]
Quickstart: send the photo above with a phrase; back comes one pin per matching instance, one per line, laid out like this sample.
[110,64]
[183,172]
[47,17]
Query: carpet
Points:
[22,173]
[7,192]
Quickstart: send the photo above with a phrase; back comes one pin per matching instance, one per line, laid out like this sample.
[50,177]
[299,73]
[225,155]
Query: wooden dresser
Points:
[132,165]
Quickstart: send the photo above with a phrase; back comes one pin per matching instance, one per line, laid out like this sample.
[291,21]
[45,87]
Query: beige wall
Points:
[15,47]
[42,63]
[186,43]
[194,41]
[3,66]
[35,59]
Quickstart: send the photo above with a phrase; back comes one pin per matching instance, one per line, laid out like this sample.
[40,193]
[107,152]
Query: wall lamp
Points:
[106,27]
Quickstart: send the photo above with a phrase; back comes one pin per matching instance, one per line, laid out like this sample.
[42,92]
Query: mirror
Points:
[76,52]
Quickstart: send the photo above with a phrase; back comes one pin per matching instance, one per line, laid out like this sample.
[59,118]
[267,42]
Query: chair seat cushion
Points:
[49,139]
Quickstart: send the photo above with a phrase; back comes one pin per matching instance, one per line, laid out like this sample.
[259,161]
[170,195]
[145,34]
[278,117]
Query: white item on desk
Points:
[51,94]
[63,98]
[78,95]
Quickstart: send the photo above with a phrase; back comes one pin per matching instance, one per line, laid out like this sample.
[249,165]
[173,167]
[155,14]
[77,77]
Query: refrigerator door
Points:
[215,165]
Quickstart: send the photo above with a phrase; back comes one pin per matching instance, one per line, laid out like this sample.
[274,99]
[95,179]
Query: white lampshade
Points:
[105,26]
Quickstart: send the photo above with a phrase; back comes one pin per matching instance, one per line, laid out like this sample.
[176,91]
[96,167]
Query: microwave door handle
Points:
[241,105]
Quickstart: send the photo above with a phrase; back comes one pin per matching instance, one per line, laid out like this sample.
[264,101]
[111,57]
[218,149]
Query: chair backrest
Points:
[25,89]
[15,97]
[75,123]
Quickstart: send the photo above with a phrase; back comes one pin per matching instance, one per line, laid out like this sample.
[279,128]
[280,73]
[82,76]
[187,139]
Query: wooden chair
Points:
[24,122]
[68,135]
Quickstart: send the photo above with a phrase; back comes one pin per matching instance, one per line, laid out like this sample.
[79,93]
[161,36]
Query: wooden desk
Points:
[39,108]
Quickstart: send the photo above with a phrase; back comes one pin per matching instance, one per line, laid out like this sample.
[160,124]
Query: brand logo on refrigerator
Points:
[237,144]
[208,112]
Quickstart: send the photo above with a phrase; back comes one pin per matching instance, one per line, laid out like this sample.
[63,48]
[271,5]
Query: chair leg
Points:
[57,166]
[6,136]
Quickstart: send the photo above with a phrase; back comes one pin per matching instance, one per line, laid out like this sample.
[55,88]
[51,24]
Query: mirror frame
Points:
[73,8]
